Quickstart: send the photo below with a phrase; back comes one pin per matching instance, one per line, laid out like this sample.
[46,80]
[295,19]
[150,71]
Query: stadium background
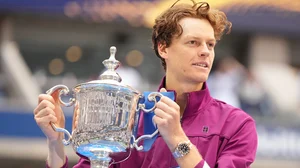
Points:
[46,42]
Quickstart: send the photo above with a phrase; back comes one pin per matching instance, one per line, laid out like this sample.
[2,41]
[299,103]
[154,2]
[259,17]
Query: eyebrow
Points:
[195,37]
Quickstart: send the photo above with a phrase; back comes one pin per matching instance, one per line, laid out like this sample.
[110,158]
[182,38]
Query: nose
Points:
[203,50]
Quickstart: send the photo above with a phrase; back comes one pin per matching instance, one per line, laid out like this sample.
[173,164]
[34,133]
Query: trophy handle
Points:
[63,90]
[151,98]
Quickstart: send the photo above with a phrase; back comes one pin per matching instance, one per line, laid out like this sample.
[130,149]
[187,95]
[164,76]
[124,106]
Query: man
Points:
[195,130]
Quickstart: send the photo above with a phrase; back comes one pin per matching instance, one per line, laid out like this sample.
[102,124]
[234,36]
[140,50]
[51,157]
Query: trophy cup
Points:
[108,117]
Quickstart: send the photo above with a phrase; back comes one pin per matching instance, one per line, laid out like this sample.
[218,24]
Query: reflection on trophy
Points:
[107,115]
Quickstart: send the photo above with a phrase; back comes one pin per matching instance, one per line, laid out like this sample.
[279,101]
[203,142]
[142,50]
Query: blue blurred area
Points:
[22,124]
[56,6]
[264,19]
[53,6]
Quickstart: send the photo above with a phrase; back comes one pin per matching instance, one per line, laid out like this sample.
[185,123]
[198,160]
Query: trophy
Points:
[107,114]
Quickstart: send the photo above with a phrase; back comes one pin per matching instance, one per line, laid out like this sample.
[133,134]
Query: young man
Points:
[195,130]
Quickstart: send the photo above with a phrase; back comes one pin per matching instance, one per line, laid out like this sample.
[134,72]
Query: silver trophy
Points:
[106,113]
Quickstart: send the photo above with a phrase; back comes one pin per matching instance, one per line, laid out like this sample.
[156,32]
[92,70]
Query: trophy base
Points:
[98,148]
[99,163]
[103,152]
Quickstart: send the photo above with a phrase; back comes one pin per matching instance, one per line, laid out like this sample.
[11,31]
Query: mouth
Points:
[201,64]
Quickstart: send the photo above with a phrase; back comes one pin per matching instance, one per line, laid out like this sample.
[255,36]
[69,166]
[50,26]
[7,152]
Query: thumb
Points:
[55,96]
[163,90]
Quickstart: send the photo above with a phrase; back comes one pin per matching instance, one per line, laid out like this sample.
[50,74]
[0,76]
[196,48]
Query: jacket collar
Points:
[196,100]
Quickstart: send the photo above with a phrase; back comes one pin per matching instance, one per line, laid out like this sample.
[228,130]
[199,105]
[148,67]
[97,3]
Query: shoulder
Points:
[230,111]
[233,118]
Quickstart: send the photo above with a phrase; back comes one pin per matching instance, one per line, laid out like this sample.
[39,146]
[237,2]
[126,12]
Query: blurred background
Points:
[46,42]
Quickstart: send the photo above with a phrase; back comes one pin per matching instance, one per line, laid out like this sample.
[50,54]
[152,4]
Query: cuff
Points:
[202,164]
[64,166]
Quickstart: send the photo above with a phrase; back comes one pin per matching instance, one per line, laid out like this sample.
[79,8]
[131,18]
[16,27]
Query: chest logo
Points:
[205,129]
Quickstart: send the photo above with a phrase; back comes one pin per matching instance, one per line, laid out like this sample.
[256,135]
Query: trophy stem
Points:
[97,163]
[100,159]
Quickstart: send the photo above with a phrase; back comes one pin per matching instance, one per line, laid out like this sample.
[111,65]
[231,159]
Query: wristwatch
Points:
[182,149]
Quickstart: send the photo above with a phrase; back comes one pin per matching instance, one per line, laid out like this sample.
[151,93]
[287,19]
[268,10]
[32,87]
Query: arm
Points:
[56,154]
[48,110]
[240,149]
[167,119]
[192,159]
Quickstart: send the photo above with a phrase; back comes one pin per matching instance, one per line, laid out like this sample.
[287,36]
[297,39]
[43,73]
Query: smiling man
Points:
[195,130]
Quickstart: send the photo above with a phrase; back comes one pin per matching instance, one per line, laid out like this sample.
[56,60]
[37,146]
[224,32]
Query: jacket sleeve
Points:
[240,149]
[200,164]
[83,163]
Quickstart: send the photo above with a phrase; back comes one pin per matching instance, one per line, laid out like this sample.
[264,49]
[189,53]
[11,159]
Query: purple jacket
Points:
[225,136]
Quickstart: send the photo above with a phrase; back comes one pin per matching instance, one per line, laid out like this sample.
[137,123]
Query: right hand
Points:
[75,116]
[49,111]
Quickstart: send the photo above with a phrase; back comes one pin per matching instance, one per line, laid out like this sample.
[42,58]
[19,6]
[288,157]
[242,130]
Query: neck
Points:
[181,87]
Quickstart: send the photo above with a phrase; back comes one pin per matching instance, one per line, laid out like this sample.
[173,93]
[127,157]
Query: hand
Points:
[49,110]
[75,116]
[167,119]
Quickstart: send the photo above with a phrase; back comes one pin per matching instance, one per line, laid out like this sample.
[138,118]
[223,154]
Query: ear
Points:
[162,50]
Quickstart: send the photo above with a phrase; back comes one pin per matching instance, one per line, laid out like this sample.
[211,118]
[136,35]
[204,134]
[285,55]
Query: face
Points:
[190,56]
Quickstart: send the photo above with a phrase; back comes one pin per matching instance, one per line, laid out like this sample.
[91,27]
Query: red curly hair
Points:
[167,24]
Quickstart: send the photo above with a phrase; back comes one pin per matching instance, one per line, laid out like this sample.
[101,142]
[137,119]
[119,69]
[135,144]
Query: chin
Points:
[198,79]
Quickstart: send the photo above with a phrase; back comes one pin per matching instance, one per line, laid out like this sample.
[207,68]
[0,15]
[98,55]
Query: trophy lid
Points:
[109,78]
[111,65]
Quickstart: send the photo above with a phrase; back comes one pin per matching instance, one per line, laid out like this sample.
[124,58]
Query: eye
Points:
[193,42]
[211,45]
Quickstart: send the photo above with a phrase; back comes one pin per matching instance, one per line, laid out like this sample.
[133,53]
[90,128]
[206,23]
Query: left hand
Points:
[167,119]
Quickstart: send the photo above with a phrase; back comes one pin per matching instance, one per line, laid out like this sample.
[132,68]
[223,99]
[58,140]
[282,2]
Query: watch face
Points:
[183,148]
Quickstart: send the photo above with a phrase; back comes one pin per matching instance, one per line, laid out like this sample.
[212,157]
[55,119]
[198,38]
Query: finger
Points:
[76,114]
[159,121]
[164,107]
[44,112]
[45,97]
[130,124]
[170,103]
[76,119]
[75,124]
[77,110]
[56,96]
[46,120]
[161,114]
[43,104]
[162,90]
